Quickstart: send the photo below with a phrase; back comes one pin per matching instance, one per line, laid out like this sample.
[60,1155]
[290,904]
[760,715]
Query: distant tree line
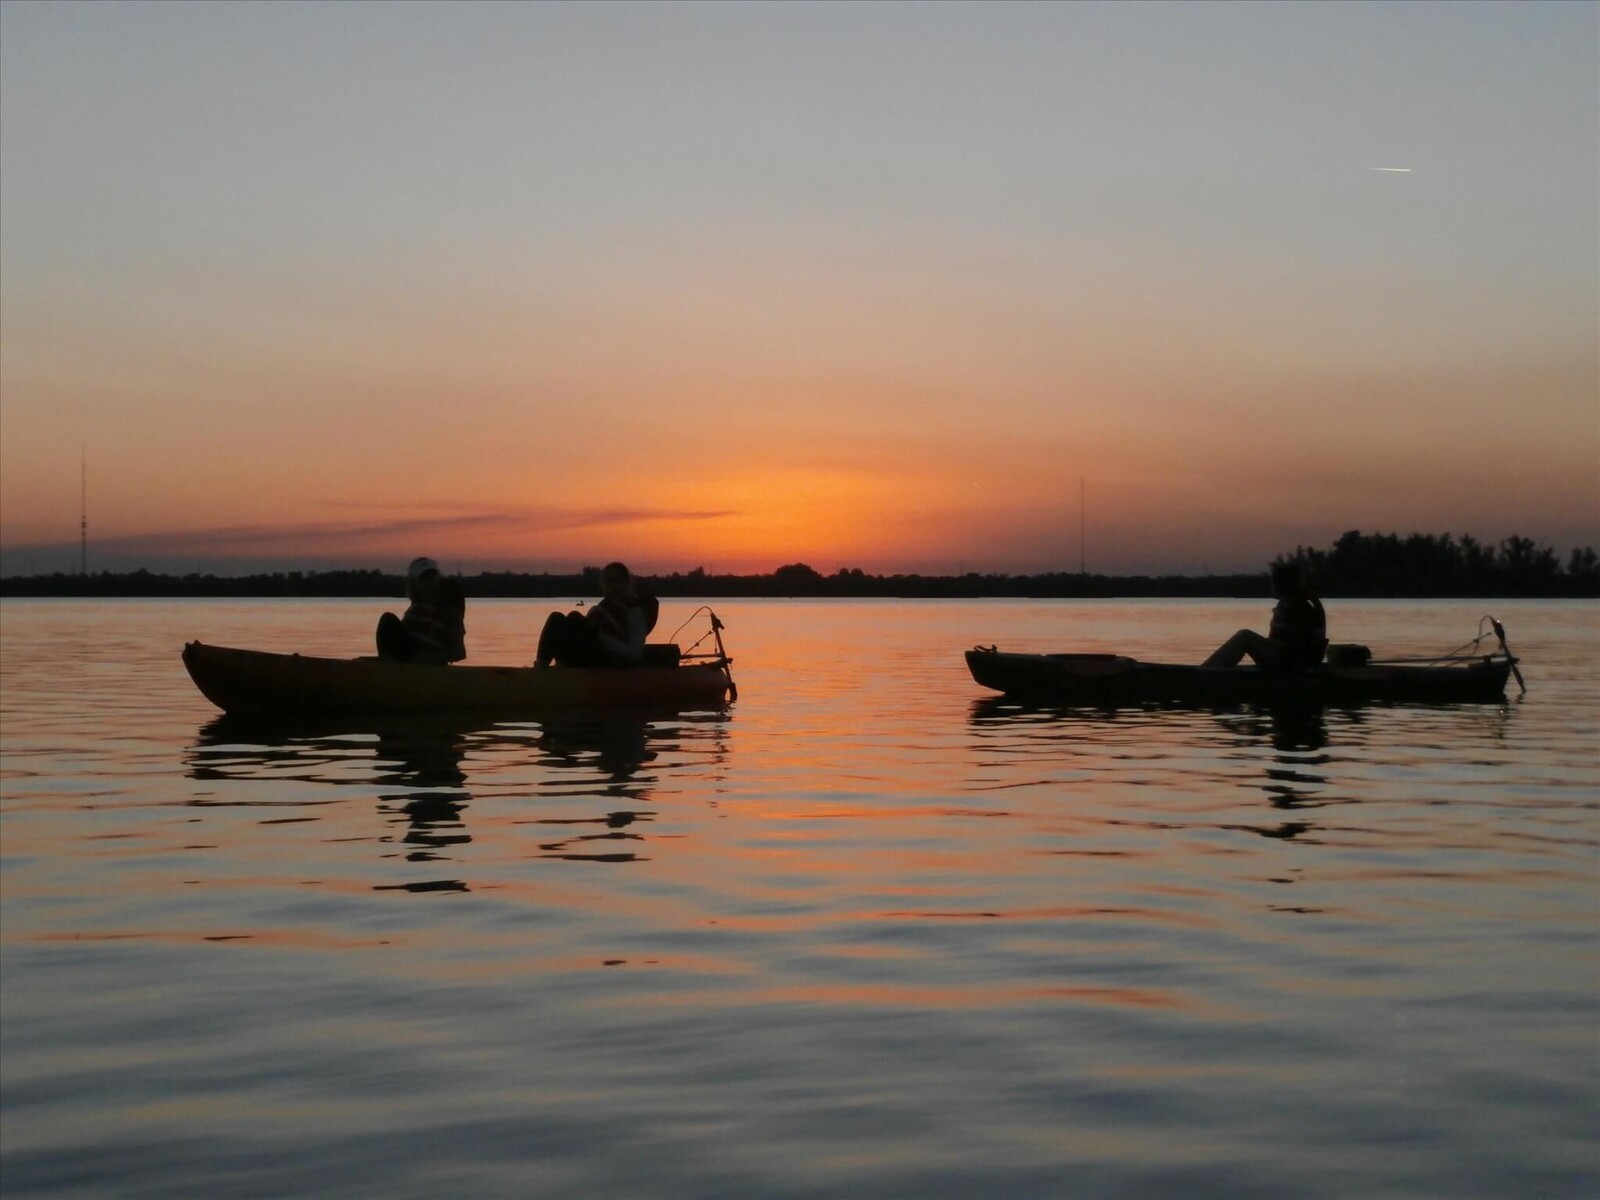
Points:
[795,579]
[1425,564]
[1356,564]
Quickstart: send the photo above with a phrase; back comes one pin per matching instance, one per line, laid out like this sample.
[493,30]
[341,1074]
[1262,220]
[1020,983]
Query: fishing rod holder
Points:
[1500,633]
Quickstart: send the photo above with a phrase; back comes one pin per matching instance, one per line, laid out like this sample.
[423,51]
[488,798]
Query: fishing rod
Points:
[1466,651]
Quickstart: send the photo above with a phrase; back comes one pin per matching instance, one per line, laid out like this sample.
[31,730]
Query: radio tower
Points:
[83,511]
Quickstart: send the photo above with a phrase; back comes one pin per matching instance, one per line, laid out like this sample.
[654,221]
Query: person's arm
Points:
[1282,627]
[453,615]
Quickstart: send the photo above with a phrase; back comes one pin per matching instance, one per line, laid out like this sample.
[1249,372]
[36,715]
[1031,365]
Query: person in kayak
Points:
[1298,636]
[610,634]
[434,627]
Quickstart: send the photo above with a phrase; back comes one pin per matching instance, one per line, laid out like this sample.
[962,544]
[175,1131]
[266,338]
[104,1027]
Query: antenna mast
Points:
[1082,526]
[83,509]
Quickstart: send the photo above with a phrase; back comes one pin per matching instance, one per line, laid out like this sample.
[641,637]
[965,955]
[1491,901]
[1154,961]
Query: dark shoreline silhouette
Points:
[1356,565]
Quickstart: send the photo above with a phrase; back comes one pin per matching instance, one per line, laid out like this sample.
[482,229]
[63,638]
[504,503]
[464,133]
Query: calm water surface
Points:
[865,934]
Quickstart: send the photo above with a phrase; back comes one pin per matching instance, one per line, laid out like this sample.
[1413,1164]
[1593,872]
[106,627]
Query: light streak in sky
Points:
[1397,170]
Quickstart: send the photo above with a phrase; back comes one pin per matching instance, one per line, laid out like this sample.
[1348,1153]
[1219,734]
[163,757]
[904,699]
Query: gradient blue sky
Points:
[742,284]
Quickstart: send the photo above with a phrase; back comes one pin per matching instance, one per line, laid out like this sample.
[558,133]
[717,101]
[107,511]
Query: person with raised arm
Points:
[610,634]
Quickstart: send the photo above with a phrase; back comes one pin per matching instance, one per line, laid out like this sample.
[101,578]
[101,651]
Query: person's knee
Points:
[393,639]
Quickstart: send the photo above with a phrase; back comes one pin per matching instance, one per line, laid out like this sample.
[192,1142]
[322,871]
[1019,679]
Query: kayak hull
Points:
[261,684]
[1108,679]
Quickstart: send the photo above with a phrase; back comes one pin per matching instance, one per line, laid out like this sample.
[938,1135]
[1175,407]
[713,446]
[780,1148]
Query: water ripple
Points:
[865,933]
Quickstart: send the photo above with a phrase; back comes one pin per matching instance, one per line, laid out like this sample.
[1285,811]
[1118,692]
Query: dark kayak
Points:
[258,684]
[1114,679]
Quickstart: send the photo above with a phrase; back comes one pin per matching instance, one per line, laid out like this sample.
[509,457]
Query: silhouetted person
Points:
[434,628]
[1297,637]
[610,634]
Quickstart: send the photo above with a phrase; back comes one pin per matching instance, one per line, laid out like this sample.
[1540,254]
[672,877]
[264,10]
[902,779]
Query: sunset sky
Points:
[737,285]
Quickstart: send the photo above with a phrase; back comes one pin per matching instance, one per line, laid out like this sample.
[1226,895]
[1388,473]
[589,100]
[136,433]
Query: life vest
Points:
[615,616]
[437,628]
[611,616]
[1301,627]
[621,627]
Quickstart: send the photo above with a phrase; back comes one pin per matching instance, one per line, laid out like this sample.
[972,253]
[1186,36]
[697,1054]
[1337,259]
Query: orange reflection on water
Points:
[298,938]
[996,995]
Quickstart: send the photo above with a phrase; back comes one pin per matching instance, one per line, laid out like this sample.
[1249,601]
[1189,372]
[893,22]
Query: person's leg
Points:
[567,640]
[1266,653]
[550,639]
[580,644]
[393,640]
[1263,651]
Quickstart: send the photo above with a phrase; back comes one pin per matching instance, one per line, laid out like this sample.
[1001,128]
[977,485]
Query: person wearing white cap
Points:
[434,628]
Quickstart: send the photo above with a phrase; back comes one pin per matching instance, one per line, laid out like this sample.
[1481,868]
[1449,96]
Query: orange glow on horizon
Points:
[847,472]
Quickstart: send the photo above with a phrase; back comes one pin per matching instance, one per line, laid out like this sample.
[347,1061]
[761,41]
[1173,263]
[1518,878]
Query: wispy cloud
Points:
[322,536]
[545,516]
